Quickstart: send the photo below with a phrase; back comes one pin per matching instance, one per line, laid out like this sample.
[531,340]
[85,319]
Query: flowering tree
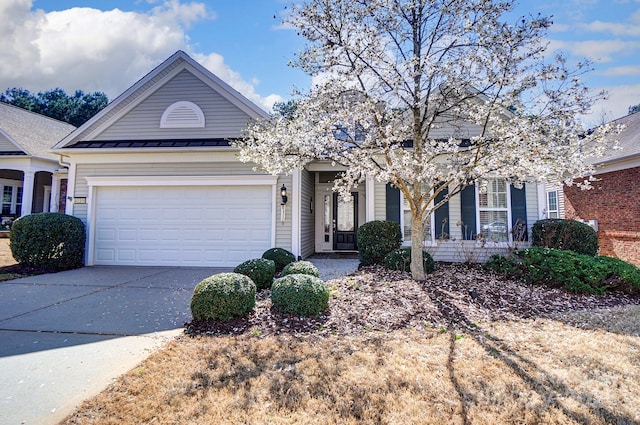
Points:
[430,96]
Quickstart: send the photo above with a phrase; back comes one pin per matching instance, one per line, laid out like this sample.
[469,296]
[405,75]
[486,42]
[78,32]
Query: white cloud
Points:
[621,71]
[615,106]
[597,50]
[94,50]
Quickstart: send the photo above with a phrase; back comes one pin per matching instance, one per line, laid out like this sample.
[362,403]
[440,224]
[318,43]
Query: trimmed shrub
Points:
[567,269]
[50,240]
[300,267]
[223,296]
[376,239]
[400,259]
[280,256]
[260,270]
[566,235]
[300,294]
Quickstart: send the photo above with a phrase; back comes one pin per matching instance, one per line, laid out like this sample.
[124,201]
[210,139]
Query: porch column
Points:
[55,193]
[27,192]
[370,211]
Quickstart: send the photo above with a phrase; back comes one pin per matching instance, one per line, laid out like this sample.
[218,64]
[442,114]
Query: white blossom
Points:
[429,94]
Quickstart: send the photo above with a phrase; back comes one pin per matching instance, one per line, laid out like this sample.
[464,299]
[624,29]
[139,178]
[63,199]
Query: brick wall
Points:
[614,201]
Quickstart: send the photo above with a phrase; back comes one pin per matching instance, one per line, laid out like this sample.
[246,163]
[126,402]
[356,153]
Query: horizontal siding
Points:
[283,230]
[307,225]
[460,251]
[7,146]
[222,118]
[128,100]
[531,196]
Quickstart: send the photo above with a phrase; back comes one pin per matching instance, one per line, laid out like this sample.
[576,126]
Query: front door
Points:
[345,222]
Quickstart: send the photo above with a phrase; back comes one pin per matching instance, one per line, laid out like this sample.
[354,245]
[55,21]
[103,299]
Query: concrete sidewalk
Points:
[65,336]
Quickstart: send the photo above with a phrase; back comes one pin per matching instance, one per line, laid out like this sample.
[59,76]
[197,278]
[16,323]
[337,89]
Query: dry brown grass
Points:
[524,371]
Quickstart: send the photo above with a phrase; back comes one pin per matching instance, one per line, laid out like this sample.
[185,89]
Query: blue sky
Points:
[88,45]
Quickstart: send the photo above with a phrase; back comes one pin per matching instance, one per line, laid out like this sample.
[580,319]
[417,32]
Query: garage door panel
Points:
[206,226]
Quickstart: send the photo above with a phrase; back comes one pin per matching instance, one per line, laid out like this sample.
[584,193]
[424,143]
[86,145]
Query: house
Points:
[613,202]
[31,179]
[157,183]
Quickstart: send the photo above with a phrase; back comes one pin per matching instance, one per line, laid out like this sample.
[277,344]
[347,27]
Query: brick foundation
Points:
[614,201]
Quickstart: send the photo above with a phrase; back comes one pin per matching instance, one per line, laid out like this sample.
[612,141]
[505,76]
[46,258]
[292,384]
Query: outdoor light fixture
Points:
[285,198]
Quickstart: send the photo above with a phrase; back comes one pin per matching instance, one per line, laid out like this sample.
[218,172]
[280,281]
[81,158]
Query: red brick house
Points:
[614,200]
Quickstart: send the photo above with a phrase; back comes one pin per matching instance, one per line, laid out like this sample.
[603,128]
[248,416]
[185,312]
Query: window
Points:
[494,211]
[552,204]
[11,197]
[405,223]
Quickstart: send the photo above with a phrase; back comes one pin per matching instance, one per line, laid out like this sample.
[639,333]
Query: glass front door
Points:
[345,222]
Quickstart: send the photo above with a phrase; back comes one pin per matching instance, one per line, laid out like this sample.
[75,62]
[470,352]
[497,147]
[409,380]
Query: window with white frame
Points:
[11,197]
[552,204]
[493,210]
[405,224]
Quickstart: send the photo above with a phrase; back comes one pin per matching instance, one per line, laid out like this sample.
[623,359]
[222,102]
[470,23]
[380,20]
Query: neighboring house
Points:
[613,202]
[156,182]
[31,179]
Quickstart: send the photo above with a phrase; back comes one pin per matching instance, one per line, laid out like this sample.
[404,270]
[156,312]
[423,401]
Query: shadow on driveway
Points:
[93,304]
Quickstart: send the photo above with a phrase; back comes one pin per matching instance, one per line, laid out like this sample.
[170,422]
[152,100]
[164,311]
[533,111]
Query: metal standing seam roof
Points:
[35,134]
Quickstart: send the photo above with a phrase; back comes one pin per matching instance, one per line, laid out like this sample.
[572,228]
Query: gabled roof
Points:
[628,140]
[31,133]
[146,86]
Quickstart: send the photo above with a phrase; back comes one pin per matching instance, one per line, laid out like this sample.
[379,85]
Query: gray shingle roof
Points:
[35,134]
[628,139]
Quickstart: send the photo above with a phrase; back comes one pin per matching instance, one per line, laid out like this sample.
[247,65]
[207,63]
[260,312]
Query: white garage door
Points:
[182,225]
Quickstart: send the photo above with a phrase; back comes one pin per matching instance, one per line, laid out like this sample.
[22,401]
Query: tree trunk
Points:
[417,245]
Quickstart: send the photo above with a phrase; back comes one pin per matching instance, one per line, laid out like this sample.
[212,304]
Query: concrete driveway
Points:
[65,336]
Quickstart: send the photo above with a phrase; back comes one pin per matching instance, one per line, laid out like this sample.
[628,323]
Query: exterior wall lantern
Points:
[285,198]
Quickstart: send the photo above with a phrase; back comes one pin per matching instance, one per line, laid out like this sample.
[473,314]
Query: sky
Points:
[107,45]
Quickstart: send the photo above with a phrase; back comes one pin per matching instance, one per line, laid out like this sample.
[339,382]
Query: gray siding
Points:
[283,230]
[222,118]
[307,217]
[7,146]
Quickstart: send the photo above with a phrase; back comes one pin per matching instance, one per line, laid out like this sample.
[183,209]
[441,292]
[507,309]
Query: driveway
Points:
[64,336]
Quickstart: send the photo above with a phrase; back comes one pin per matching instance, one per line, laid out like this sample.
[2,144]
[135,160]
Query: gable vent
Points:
[182,115]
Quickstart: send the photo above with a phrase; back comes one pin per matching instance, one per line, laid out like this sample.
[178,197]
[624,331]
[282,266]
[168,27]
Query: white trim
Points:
[168,155]
[174,116]
[240,180]
[274,193]
[296,211]
[369,193]
[71,189]
[508,208]
[91,219]
[542,206]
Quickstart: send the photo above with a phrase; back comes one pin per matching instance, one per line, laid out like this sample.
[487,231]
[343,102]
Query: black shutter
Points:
[442,216]
[519,214]
[393,203]
[468,212]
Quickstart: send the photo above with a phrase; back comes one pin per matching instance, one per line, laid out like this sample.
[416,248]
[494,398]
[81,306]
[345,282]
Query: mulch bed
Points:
[376,299]
[16,271]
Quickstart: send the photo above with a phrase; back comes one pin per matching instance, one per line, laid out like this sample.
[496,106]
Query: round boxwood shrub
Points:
[300,267]
[260,270]
[223,296]
[376,239]
[562,234]
[280,256]
[300,294]
[400,259]
[50,240]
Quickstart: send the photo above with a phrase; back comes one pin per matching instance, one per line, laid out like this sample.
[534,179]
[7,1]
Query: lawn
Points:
[465,347]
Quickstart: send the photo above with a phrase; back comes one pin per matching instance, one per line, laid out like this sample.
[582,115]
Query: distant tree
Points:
[74,109]
[633,109]
[285,109]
